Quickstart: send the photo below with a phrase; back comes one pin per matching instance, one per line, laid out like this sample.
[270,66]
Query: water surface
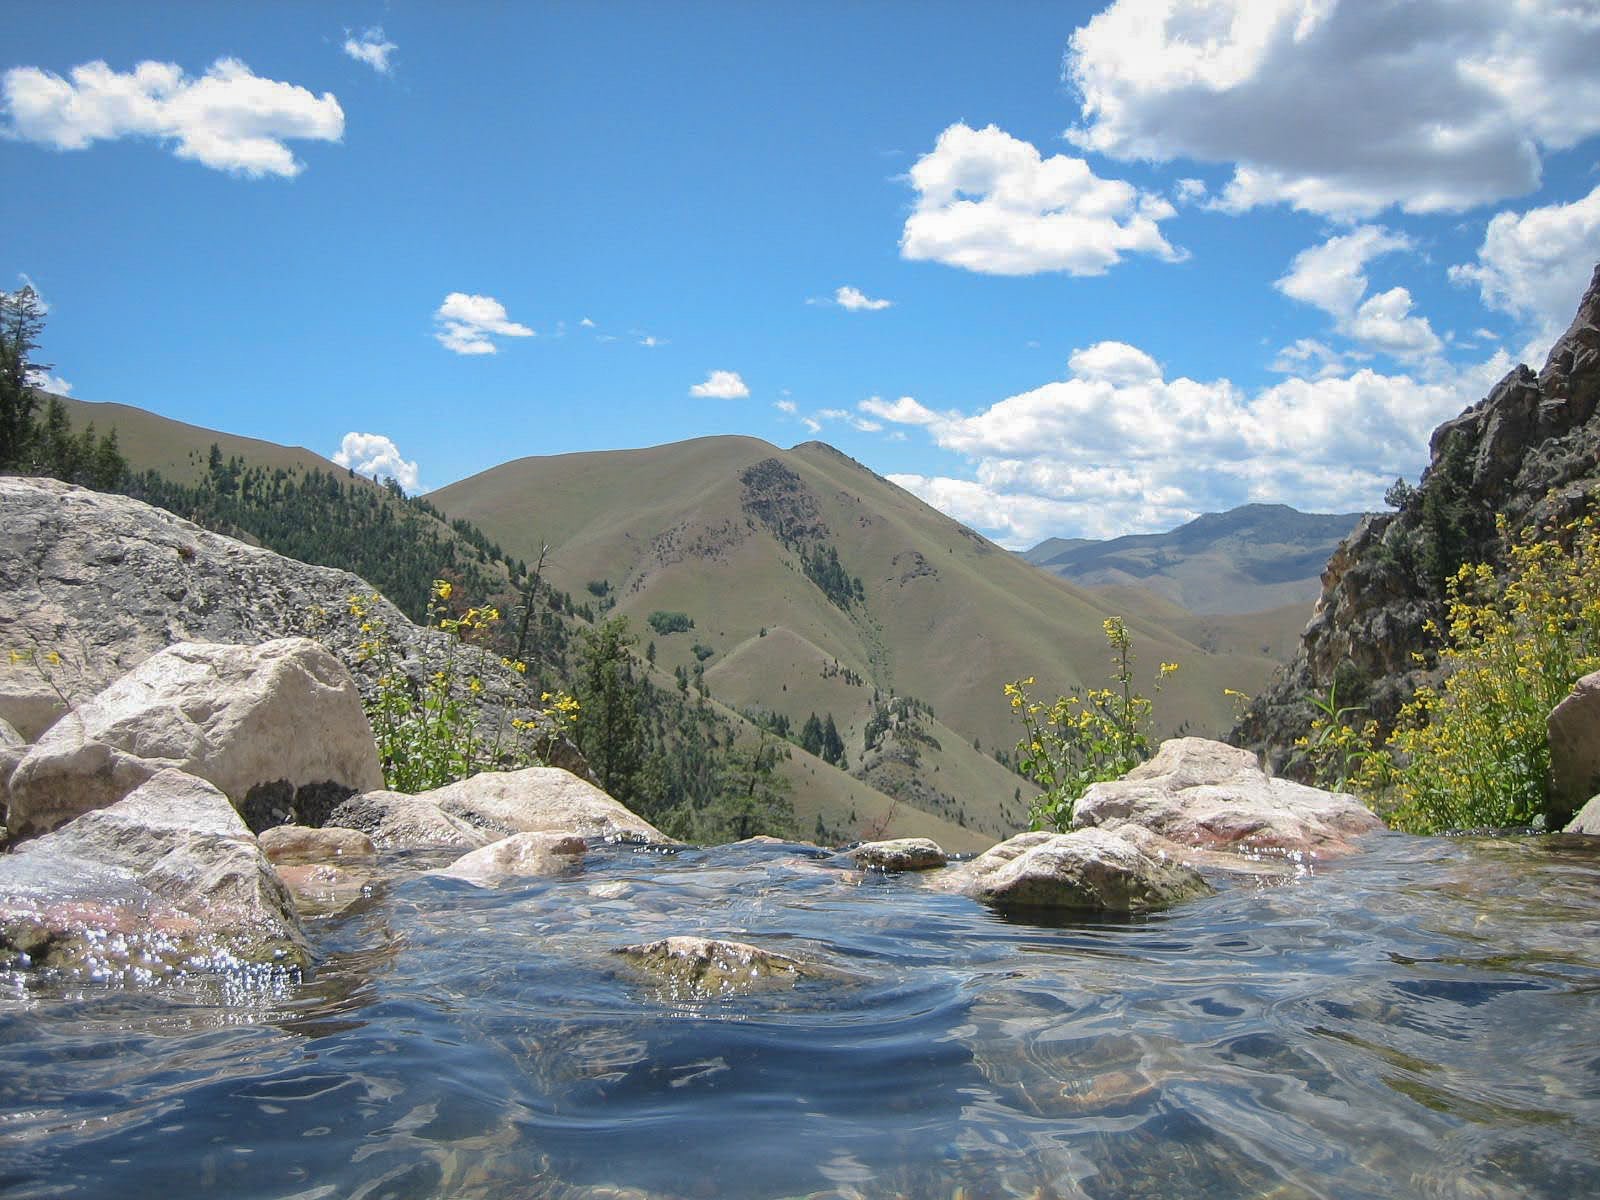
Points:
[1422,1020]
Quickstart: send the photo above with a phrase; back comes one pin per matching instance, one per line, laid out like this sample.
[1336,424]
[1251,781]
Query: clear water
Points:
[1423,1020]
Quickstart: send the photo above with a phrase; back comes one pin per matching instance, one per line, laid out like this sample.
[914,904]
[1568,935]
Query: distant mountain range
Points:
[1249,559]
[816,586]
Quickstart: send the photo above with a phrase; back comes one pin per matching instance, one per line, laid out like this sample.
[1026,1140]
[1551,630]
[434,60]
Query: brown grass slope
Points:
[948,617]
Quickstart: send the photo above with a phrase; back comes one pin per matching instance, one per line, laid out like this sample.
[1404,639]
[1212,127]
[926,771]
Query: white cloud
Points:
[1117,446]
[371,48]
[1535,266]
[721,385]
[1332,276]
[1309,357]
[467,324]
[1189,191]
[651,342]
[785,406]
[1342,107]
[857,301]
[904,411]
[47,382]
[586,323]
[989,202]
[375,455]
[229,118]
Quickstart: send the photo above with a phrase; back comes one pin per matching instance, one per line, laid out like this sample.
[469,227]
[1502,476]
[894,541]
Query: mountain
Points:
[1248,559]
[816,586]
[1520,462]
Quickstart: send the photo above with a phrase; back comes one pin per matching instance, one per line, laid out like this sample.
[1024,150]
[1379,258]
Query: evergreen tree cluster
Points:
[31,445]
[821,737]
[821,565]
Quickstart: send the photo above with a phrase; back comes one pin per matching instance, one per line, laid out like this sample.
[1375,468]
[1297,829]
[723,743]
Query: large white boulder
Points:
[541,800]
[1203,793]
[517,857]
[396,821]
[278,727]
[169,875]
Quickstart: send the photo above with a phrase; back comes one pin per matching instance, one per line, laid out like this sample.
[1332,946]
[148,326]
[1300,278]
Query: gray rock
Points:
[396,821]
[1088,870]
[697,968]
[1203,793]
[106,581]
[898,854]
[518,856]
[294,844]
[168,875]
[12,749]
[1574,729]
[278,727]
[1588,818]
[541,800]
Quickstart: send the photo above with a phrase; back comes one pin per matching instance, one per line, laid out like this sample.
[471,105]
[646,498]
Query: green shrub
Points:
[669,622]
[1083,738]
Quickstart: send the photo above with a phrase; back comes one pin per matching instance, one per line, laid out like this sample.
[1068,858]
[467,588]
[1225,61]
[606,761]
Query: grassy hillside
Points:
[824,797]
[728,532]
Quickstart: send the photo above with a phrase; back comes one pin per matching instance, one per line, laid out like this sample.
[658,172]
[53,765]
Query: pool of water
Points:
[1421,1020]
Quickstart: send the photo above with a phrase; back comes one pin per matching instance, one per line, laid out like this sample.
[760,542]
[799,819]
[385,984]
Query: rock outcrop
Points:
[1528,453]
[1216,797]
[1088,870]
[278,727]
[102,582]
[168,878]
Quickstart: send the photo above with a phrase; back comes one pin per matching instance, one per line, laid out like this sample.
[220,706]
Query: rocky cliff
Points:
[1528,454]
[91,585]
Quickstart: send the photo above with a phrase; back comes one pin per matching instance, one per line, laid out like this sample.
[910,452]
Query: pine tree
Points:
[21,321]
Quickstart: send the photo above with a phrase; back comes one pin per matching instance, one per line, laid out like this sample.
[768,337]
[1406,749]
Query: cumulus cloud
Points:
[467,324]
[229,118]
[1332,276]
[47,382]
[721,385]
[989,202]
[371,48]
[1342,107]
[1535,265]
[375,455]
[856,300]
[1117,446]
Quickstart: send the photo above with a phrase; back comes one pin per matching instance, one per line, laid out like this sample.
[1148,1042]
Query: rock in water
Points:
[541,800]
[1088,870]
[278,727]
[1203,793]
[519,856]
[290,844]
[168,875]
[705,968]
[898,854]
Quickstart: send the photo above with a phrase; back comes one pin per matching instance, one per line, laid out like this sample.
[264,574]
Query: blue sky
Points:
[1070,269]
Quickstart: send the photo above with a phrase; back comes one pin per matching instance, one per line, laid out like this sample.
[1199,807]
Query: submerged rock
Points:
[169,874]
[1088,870]
[518,856]
[702,968]
[541,800]
[898,854]
[287,845]
[396,821]
[1203,793]
[278,727]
